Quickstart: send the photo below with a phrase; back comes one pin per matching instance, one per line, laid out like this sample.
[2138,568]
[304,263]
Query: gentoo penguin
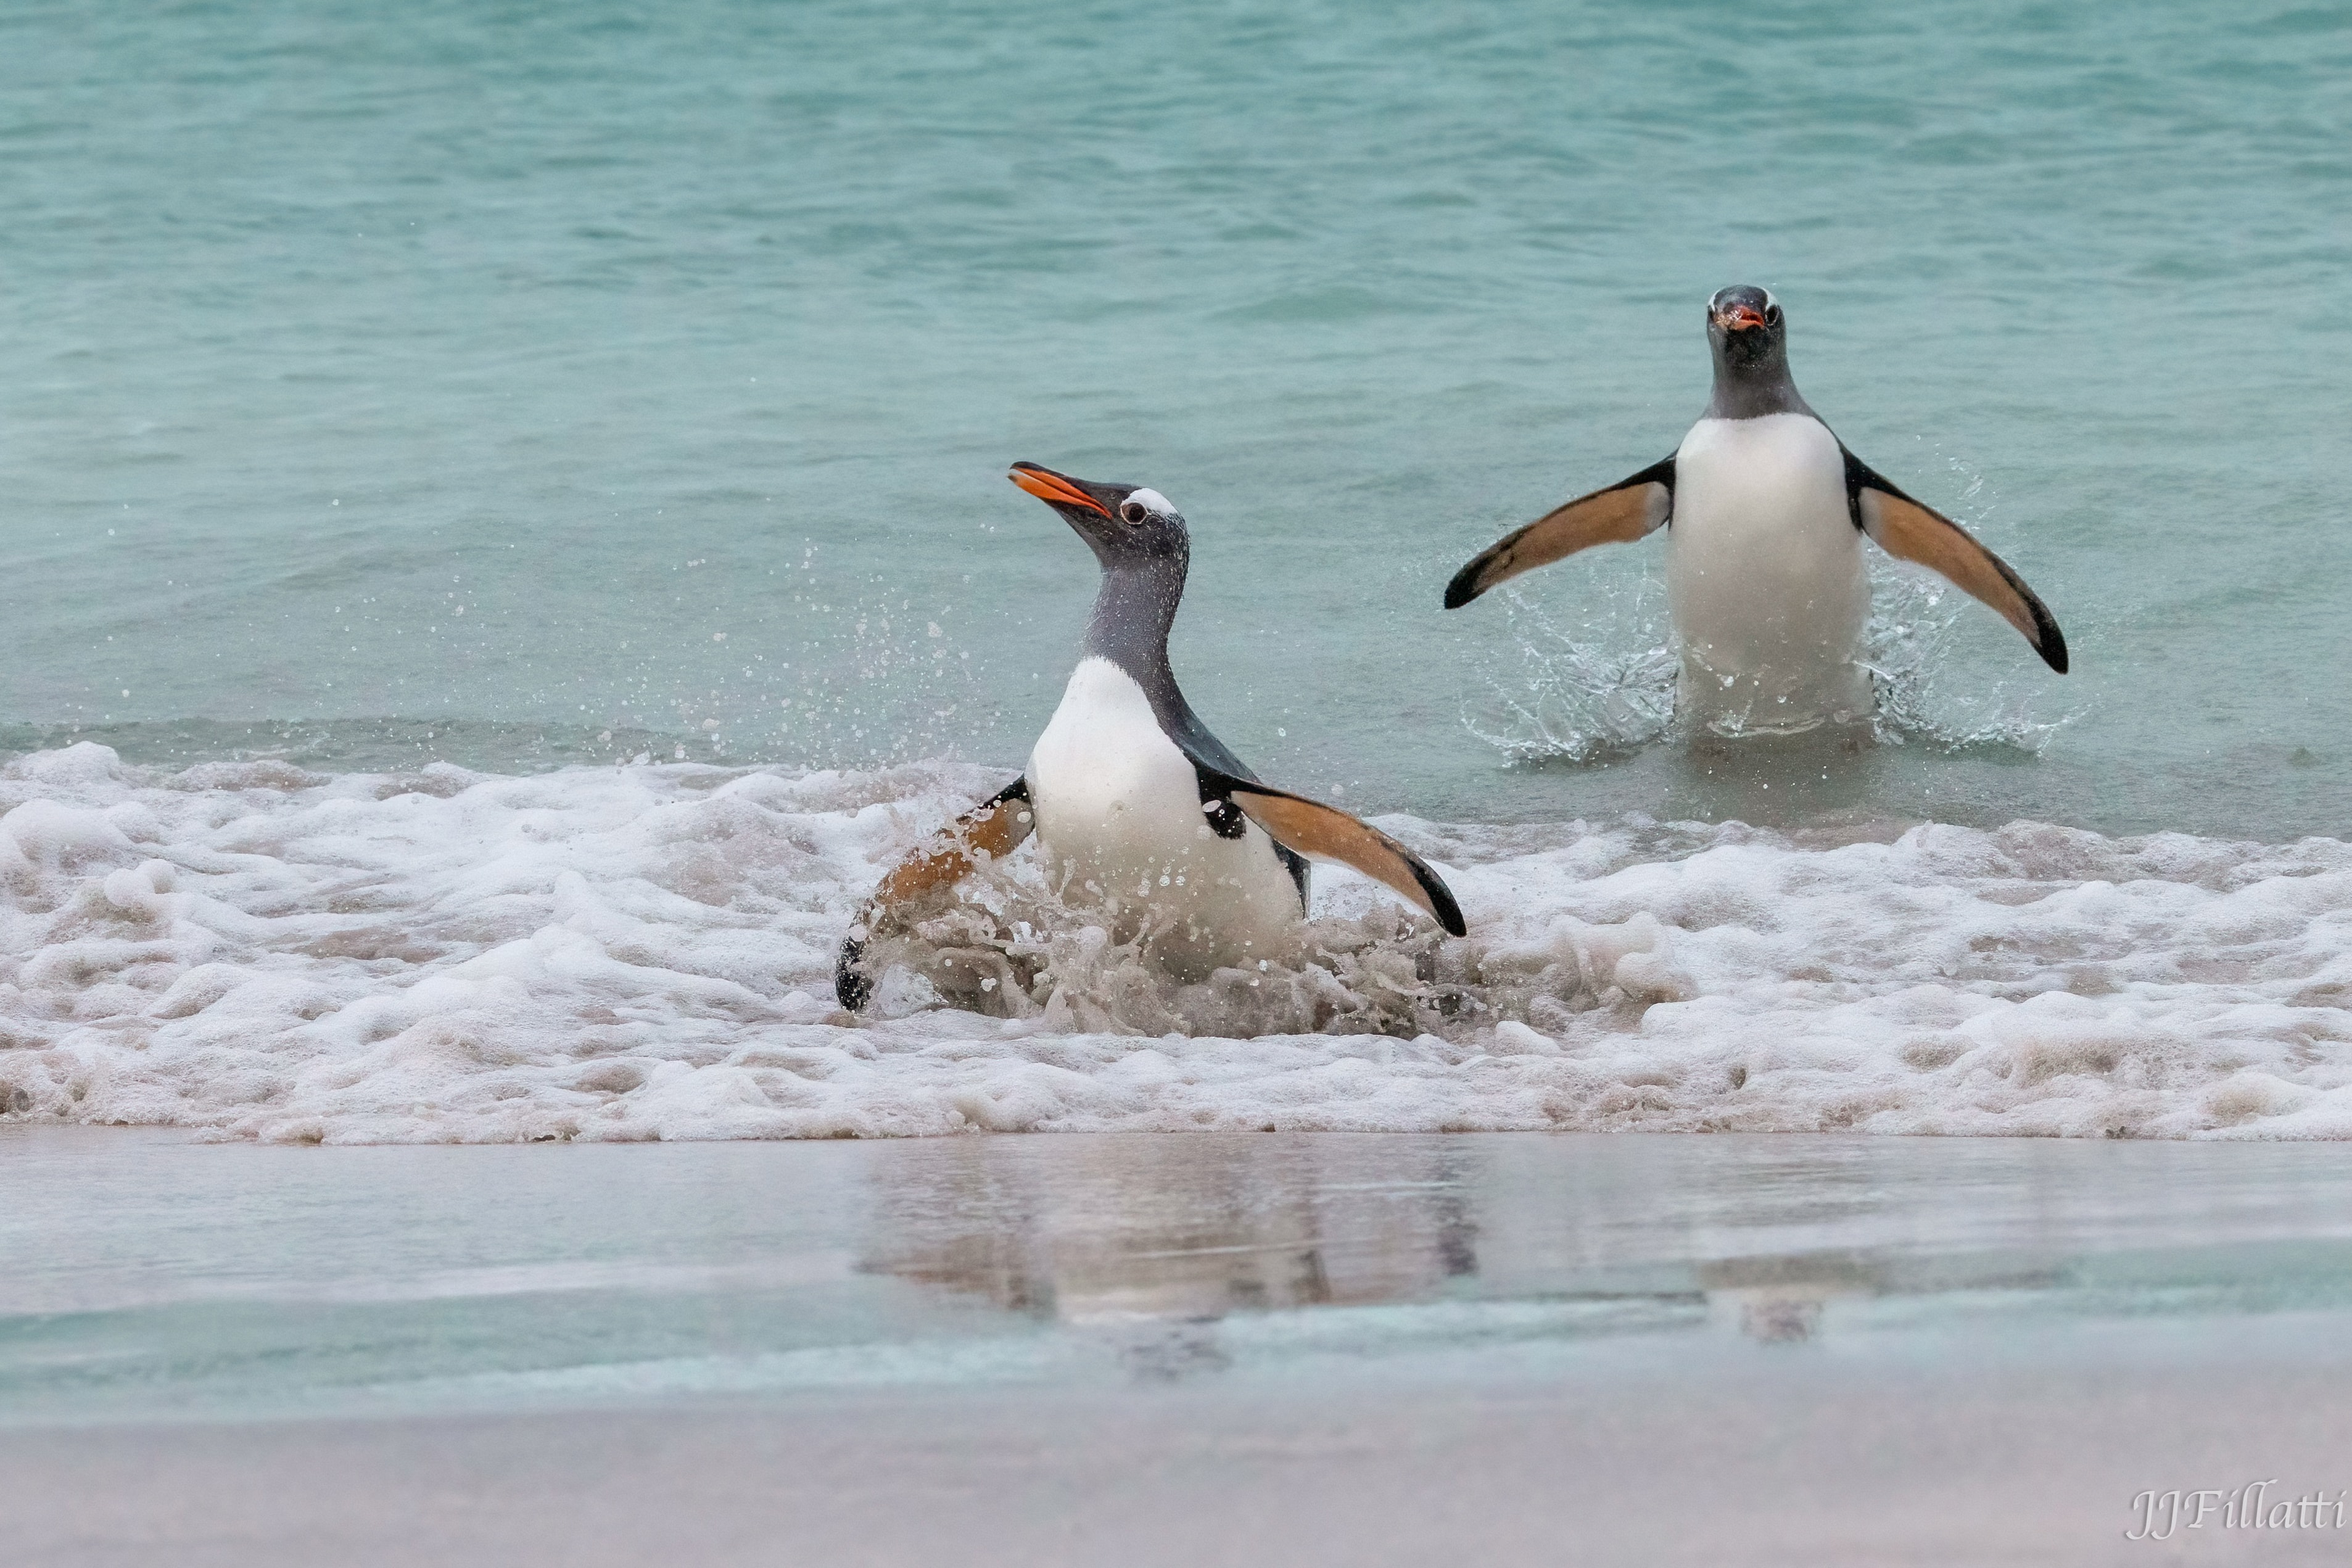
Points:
[1766,510]
[1137,808]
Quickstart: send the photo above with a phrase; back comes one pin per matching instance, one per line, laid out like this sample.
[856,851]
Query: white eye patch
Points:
[1151,502]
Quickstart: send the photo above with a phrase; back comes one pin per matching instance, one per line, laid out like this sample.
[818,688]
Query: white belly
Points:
[1766,578]
[1121,827]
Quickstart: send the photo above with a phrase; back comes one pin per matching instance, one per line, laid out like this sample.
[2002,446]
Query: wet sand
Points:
[1168,1350]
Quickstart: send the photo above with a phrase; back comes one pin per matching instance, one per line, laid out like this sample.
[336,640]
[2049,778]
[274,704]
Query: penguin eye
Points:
[1771,315]
[1133,513]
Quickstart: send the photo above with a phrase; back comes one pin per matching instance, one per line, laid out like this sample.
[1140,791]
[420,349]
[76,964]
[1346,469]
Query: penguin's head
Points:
[1126,525]
[1745,328]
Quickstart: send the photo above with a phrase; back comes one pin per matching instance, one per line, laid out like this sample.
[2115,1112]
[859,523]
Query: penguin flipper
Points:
[1325,832]
[1620,514]
[1910,531]
[995,828]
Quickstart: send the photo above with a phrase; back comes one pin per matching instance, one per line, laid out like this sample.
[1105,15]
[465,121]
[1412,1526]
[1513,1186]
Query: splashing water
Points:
[1007,947]
[1597,690]
[1926,692]
[1604,686]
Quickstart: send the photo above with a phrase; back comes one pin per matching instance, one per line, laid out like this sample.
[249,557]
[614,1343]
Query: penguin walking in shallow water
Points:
[1765,510]
[1138,809]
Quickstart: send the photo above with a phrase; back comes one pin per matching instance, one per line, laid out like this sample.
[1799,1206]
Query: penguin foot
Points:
[852,987]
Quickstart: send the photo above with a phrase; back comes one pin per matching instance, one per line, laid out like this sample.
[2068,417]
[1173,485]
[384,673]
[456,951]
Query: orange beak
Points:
[1049,486]
[1740,318]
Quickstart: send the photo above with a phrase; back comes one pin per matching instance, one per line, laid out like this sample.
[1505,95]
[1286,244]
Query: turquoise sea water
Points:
[483,381]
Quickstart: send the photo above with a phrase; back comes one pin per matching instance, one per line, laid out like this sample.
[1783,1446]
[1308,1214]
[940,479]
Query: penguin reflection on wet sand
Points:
[1765,510]
[1138,809]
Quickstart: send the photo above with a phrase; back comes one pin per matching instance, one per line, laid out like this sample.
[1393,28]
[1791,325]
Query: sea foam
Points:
[645,951]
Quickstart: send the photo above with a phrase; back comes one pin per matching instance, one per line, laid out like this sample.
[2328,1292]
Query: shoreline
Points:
[1320,1349]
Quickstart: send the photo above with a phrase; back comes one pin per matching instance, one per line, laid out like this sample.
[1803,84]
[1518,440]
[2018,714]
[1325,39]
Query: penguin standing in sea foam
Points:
[1765,510]
[1137,808]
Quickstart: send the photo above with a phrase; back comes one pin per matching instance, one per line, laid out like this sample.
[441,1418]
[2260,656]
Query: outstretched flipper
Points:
[1324,833]
[994,828]
[1621,514]
[1910,531]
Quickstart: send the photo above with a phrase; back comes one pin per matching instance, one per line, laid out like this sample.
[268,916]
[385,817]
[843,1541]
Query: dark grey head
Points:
[1750,342]
[1144,549]
[1129,527]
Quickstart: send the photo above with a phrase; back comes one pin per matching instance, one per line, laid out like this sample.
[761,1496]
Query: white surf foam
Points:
[645,951]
